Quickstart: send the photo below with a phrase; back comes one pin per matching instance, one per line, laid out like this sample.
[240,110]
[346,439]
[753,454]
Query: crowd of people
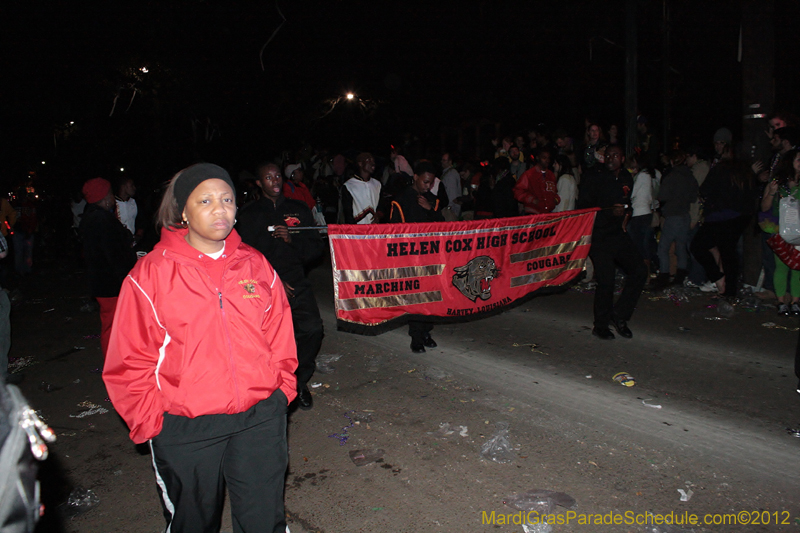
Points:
[686,212]
[674,221]
[683,210]
[689,205]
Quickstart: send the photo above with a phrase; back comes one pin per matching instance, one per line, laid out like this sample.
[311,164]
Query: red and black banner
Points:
[384,274]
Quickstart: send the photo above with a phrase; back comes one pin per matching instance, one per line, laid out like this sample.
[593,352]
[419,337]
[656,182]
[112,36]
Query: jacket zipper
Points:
[227,336]
[230,350]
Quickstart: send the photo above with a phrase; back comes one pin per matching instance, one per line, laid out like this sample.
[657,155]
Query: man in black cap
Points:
[266,225]
[612,246]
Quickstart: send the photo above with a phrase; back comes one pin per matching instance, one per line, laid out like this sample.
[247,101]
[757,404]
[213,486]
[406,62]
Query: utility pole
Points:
[631,60]
[665,79]
[757,57]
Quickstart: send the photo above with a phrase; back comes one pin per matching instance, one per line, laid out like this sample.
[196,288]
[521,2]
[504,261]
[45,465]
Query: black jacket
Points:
[504,204]
[405,207]
[722,198]
[106,250]
[288,259]
[605,190]
[678,190]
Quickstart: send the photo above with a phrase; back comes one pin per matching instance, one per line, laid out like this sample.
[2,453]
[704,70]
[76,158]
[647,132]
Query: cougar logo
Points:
[474,279]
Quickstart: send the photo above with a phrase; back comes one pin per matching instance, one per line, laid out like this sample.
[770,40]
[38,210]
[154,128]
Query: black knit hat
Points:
[191,177]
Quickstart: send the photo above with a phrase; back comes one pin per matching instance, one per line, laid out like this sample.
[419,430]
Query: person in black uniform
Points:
[418,204]
[266,225]
[504,204]
[612,246]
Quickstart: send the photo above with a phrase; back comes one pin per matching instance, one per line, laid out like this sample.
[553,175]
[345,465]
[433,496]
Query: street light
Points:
[350,96]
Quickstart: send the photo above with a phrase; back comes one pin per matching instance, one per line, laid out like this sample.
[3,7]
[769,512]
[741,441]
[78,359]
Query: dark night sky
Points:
[428,66]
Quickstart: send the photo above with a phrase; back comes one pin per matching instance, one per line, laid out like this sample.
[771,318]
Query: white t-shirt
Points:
[366,195]
[401,165]
[642,194]
[77,212]
[126,213]
[217,255]
[451,180]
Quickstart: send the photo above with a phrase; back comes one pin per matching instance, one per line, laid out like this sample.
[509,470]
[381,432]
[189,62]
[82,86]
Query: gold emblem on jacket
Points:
[249,285]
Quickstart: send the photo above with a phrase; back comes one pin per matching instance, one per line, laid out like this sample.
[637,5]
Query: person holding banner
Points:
[289,252]
[612,246]
[418,204]
[504,205]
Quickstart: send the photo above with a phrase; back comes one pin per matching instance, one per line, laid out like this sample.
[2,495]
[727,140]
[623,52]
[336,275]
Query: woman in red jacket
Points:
[201,362]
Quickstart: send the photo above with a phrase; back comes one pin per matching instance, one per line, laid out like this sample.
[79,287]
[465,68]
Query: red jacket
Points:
[298,191]
[536,191]
[196,336]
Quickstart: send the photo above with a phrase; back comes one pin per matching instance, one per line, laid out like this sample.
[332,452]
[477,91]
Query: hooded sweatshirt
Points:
[196,336]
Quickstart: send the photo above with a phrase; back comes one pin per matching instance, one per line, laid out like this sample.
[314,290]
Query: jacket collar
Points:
[175,241]
[279,202]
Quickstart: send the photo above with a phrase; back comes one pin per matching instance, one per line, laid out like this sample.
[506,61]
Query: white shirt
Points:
[642,194]
[452,185]
[77,212]
[401,165]
[126,213]
[217,255]
[568,192]
[366,195]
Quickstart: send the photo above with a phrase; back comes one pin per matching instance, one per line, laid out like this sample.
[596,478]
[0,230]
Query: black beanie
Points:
[192,176]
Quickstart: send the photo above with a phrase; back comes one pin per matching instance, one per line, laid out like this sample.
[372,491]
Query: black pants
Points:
[195,458]
[724,236]
[308,331]
[419,331]
[608,253]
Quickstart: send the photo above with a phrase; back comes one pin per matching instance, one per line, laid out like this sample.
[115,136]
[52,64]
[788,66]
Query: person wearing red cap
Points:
[106,249]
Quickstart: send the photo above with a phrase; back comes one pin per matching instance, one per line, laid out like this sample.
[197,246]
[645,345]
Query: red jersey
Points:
[537,191]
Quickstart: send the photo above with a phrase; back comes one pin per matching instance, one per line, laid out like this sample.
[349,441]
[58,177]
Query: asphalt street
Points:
[725,390]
